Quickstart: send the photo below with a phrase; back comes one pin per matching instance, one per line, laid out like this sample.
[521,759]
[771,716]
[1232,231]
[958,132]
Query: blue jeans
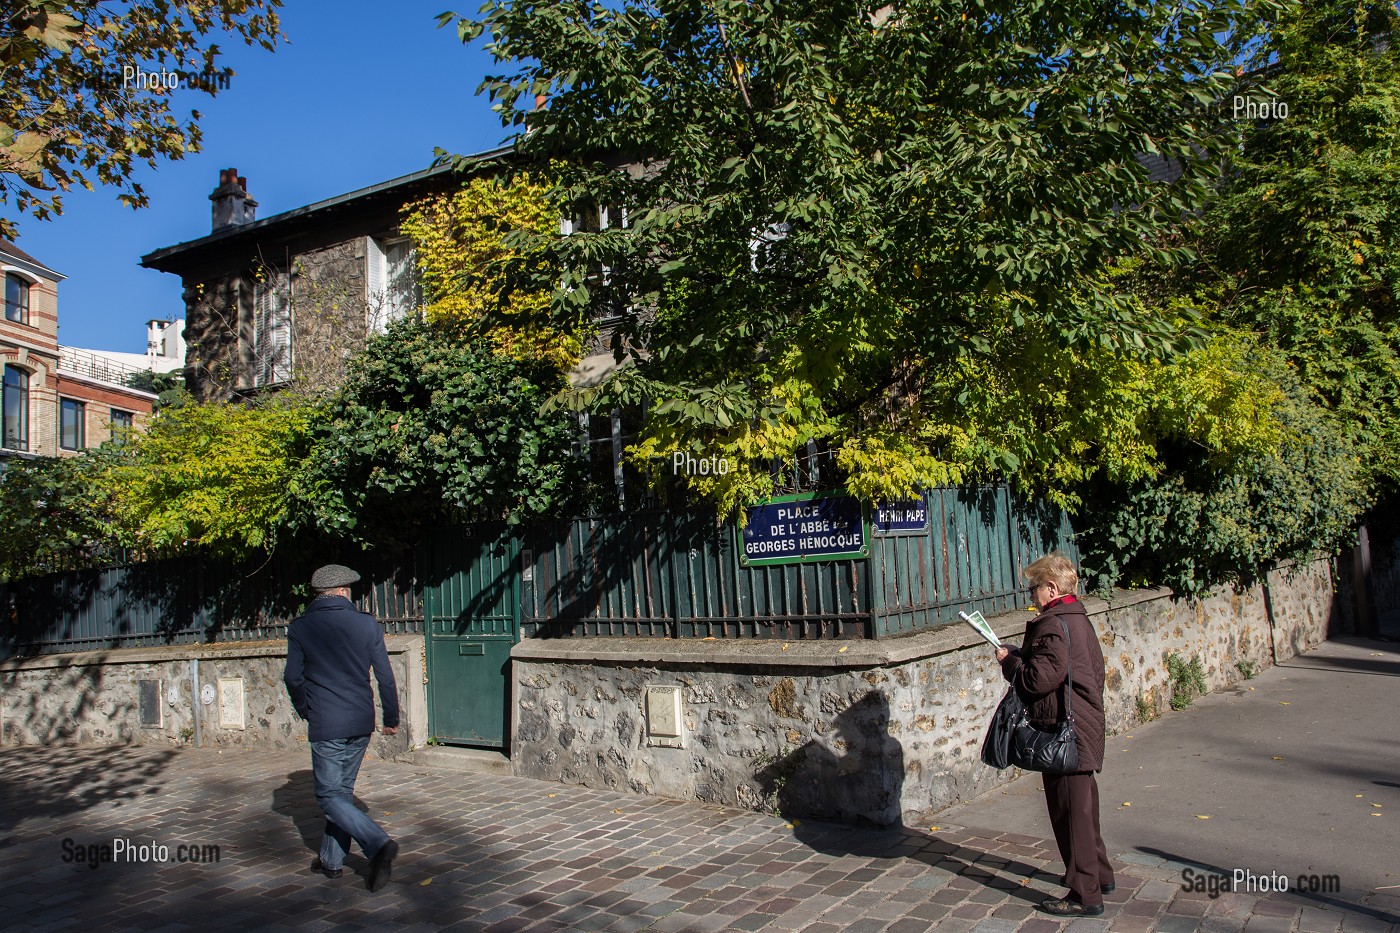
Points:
[335,763]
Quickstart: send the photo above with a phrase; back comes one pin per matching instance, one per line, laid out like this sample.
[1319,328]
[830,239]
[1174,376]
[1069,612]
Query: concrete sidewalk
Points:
[1276,769]
[1294,773]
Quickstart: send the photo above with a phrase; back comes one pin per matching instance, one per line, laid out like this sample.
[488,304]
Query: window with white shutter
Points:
[272,330]
[392,289]
[374,286]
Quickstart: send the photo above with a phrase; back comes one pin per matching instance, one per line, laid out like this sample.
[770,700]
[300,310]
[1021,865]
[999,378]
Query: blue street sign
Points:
[793,529]
[902,516]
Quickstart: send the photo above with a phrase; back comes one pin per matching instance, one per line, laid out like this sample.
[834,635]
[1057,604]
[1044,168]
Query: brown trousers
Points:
[1073,801]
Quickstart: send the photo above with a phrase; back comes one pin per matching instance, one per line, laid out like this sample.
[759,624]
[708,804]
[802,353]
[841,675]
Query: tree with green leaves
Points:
[1303,247]
[1294,263]
[843,221]
[70,115]
[216,476]
[434,425]
[55,511]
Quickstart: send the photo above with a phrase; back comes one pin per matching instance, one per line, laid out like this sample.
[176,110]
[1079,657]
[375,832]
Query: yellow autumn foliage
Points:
[465,256]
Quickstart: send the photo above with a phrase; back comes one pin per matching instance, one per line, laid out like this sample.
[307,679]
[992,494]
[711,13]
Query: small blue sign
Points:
[792,529]
[902,516]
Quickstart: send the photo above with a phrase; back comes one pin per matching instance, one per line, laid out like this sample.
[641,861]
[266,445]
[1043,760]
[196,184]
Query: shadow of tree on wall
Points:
[61,710]
[44,782]
[861,782]
[863,785]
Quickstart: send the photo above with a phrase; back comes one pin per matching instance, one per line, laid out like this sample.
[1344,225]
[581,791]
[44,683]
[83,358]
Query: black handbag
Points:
[996,747]
[1012,740]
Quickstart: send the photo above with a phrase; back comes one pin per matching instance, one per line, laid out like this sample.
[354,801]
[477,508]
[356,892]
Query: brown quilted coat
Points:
[1038,668]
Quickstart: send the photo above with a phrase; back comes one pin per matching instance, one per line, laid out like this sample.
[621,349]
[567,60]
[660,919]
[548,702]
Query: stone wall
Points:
[93,698]
[218,329]
[863,731]
[328,314]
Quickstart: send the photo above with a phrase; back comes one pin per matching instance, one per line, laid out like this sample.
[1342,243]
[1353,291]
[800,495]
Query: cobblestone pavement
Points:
[501,854]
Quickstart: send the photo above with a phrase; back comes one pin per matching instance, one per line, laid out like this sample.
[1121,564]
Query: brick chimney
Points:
[232,205]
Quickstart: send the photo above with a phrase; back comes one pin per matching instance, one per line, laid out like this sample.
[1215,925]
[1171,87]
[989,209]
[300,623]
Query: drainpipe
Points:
[194,700]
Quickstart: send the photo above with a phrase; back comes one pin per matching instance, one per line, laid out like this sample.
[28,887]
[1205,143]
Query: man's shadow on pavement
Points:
[862,783]
[296,800]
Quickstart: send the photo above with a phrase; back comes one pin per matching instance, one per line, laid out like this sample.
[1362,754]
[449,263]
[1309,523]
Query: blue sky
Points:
[360,93]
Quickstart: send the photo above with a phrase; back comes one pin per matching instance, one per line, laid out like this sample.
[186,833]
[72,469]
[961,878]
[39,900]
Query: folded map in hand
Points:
[980,624]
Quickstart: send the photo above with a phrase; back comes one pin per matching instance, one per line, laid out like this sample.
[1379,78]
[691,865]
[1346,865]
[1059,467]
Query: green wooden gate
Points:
[471,604]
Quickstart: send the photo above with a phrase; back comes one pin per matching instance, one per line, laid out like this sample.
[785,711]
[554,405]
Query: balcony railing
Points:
[91,366]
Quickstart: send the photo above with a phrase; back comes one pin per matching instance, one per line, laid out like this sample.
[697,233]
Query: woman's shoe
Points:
[1064,907]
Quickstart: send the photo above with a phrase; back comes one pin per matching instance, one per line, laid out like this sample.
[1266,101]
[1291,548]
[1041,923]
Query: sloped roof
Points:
[23,259]
[169,258]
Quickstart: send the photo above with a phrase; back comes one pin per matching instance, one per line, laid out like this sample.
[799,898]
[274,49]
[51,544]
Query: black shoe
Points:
[382,866]
[1064,907]
[1103,888]
[328,872]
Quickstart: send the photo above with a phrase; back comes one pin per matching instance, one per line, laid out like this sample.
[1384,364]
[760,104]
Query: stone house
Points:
[57,401]
[282,302]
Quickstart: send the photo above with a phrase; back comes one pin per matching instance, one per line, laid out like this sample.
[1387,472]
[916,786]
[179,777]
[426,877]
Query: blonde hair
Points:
[1052,568]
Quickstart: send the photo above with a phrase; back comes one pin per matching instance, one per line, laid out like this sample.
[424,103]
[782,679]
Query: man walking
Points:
[330,650]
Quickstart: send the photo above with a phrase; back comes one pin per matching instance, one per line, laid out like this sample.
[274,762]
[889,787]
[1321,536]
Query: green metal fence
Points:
[679,575]
[658,574]
[184,600]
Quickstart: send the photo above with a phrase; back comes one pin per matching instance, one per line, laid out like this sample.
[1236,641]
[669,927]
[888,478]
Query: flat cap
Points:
[333,575]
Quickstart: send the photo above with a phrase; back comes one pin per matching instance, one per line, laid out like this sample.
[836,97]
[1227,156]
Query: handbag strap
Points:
[1069,674]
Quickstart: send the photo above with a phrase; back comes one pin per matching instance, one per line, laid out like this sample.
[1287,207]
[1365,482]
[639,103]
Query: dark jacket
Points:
[330,650]
[1039,667]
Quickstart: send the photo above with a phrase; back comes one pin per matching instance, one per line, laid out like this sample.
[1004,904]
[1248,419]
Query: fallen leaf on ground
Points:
[1251,688]
[708,638]
[425,881]
[1277,758]
[1202,816]
[843,649]
[1284,703]
[933,829]
[786,647]
[554,795]
[617,811]
[1375,805]
[1127,803]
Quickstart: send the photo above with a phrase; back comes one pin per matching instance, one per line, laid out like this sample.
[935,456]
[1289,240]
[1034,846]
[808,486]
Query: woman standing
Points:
[1039,670]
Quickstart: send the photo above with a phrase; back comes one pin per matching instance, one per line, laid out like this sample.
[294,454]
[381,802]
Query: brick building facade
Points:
[50,407]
